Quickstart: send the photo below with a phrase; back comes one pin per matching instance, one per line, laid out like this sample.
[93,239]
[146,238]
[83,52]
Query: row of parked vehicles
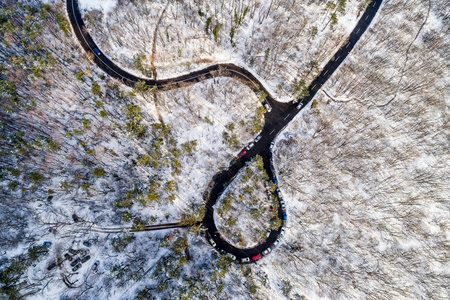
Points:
[264,252]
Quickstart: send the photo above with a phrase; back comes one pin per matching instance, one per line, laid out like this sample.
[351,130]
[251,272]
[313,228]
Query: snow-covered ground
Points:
[243,212]
[364,173]
[279,41]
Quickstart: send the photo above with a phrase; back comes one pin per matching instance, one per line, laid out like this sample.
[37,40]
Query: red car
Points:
[242,153]
[255,258]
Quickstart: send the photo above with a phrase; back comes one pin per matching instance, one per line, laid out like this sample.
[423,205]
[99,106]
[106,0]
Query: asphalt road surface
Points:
[275,120]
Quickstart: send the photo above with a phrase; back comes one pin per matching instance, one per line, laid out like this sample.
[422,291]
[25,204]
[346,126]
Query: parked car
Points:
[211,241]
[272,168]
[242,153]
[267,251]
[97,51]
[275,180]
[233,161]
[278,191]
[73,251]
[284,216]
[300,105]
[282,232]
[74,269]
[85,259]
[276,243]
[68,256]
[271,145]
[76,261]
[255,258]
[47,244]
[283,206]
[249,146]
[225,169]
[95,265]
[232,257]
[87,244]
[245,259]
[257,138]
[51,266]
[268,107]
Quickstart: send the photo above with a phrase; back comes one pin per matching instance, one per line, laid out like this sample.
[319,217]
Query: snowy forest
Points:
[90,167]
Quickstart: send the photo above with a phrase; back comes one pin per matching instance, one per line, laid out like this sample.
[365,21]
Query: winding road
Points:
[275,120]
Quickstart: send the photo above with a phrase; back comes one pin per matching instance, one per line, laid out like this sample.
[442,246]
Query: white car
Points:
[267,251]
[249,146]
[300,105]
[282,232]
[257,138]
[268,233]
[245,259]
[271,145]
[232,256]
[268,107]
[276,243]
[212,242]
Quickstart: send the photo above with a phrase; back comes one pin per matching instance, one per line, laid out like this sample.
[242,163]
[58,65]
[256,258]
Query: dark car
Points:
[87,243]
[51,266]
[85,259]
[68,256]
[275,180]
[75,262]
[74,269]
[47,244]
[97,51]
[255,258]
[233,161]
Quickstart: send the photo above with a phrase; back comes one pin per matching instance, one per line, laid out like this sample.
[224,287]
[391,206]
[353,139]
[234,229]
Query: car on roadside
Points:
[211,241]
[256,257]
[85,259]
[245,259]
[275,180]
[75,262]
[282,232]
[74,269]
[268,107]
[97,51]
[271,145]
[278,191]
[276,243]
[283,206]
[95,265]
[257,138]
[249,146]
[68,257]
[268,233]
[272,168]
[300,105]
[225,169]
[242,153]
[267,251]
[284,216]
[233,161]
[232,257]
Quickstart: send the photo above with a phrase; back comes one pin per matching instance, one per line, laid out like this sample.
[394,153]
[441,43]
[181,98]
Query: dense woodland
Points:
[363,170]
